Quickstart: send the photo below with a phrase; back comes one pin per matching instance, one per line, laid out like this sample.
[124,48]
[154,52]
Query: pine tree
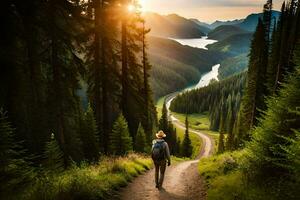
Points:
[140,140]
[89,136]
[64,72]
[221,146]
[178,147]
[164,122]
[268,151]
[148,102]
[102,56]
[54,156]
[187,148]
[15,171]
[120,142]
[253,98]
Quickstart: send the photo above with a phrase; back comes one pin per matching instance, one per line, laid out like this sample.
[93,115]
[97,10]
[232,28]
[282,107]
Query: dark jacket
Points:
[165,146]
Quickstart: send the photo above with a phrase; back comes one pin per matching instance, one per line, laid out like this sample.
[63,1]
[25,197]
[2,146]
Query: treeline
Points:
[52,50]
[268,123]
[222,100]
[271,59]
[269,115]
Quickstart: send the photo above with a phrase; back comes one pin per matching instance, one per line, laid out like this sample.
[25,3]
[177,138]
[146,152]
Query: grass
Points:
[196,121]
[159,105]
[98,181]
[226,180]
[89,181]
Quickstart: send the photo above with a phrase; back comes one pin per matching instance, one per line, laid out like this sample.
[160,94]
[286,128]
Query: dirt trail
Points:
[182,181]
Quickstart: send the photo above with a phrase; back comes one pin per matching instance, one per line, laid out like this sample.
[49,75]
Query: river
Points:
[201,43]
[205,78]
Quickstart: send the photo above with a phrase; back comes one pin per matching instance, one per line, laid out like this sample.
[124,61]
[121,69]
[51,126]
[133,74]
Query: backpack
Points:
[158,153]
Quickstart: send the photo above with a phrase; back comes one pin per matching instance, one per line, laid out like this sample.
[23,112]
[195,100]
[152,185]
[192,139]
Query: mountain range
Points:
[175,26]
[176,66]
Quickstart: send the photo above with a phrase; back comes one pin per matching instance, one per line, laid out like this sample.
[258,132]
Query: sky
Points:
[208,10]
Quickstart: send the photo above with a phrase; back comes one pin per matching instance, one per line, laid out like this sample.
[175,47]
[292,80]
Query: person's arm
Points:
[153,143]
[167,153]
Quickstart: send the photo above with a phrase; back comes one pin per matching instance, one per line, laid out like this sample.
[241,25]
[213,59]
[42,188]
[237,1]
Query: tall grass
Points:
[97,181]
[226,179]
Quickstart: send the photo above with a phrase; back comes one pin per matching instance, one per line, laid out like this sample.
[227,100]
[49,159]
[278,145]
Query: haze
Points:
[207,10]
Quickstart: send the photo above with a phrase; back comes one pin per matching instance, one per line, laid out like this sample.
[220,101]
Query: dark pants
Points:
[160,166]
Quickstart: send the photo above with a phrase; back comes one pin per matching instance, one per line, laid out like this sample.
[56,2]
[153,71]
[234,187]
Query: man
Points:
[160,156]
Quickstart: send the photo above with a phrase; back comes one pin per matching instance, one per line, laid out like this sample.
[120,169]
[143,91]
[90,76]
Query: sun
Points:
[131,8]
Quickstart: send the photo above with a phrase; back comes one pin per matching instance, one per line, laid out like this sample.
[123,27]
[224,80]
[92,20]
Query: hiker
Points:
[160,156]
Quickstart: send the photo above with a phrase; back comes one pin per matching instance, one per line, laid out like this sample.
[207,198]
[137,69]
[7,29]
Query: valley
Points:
[179,61]
[150,100]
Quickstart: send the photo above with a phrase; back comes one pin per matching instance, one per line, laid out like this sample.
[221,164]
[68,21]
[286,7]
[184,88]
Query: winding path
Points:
[182,181]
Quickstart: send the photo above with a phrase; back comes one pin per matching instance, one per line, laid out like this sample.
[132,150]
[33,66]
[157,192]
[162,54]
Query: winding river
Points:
[205,78]
[201,43]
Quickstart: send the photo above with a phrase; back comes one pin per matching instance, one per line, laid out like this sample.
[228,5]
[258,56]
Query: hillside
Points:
[173,26]
[233,65]
[222,23]
[168,75]
[175,66]
[234,44]
[224,95]
[224,31]
[250,23]
[205,27]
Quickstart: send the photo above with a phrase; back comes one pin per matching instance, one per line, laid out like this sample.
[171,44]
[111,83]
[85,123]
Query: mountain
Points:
[250,22]
[233,44]
[173,26]
[222,23]
[175,66]
[204,26]
[233,65]
[224,31]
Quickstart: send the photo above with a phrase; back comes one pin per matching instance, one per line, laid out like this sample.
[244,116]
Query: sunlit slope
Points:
[175,66]
[225,31]
[234,44]
[173,26]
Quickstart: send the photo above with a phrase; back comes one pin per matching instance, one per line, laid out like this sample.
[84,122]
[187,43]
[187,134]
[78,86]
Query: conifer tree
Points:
[268,151]
[164,122]
[54,156]
[140,140]
[253,98]
[187,148]
[15,170]
[102,67]
[89,136]
[221,145]
[136,102]
[148,102]
[178,147]
[120,142]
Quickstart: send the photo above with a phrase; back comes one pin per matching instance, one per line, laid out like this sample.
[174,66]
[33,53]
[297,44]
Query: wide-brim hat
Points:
[160,134]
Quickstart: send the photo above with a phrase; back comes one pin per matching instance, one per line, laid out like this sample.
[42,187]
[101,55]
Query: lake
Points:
[200,43]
